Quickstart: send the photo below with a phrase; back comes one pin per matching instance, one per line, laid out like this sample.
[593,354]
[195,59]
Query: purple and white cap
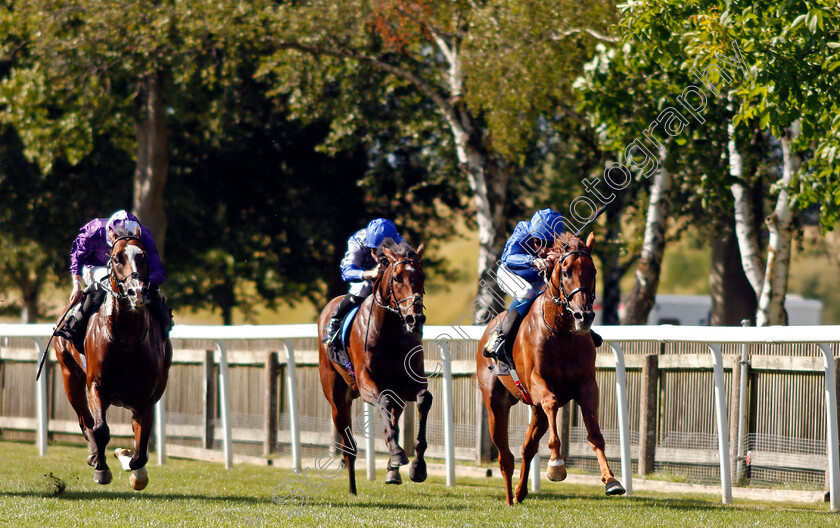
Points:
[121,218]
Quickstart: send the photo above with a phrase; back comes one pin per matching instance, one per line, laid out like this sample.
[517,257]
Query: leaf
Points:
[834,45]
[798,21]
[812,25]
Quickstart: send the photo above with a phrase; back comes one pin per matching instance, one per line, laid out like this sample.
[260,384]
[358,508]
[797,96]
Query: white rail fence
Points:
[713,337]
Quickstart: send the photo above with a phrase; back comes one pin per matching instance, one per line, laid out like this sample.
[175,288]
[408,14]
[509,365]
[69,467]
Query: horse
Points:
[126,362]
[383,347]
[555,358]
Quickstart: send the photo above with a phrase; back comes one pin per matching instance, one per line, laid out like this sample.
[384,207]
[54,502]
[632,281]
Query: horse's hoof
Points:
[417,470]
[393,477]
[555,473]
[398,459]
[102,476]
[91,460]
[614,487]
[139,479]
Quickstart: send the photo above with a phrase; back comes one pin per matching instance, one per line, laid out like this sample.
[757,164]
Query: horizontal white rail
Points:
[821,336]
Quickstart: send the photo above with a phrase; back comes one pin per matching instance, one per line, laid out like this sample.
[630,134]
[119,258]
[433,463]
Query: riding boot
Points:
[596,338]
[162,313]
[75,324]
[510,327]
[333,327]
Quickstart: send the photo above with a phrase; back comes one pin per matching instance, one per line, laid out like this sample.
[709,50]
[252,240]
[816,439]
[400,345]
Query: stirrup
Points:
[491,349]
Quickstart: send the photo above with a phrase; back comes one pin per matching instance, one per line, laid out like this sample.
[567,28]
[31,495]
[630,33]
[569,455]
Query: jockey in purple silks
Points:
[523,259]
[360,269]
[88,262]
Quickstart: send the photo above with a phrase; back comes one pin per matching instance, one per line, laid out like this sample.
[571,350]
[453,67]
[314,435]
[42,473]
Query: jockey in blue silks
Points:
[88,264]
[523,259]
[360,269]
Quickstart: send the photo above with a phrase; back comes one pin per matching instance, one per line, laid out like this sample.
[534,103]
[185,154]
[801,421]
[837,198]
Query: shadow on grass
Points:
[123,495]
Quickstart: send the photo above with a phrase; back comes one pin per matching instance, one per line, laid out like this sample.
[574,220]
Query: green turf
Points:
[189,493]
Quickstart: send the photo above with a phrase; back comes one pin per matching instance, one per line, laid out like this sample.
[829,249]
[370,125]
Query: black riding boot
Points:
[503,347]
[162,313]
[75,324]
[334,324]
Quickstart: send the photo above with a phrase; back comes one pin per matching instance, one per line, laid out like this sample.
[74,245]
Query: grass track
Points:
[202,494]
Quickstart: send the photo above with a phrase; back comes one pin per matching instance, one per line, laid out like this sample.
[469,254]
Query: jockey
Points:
[88,258]
[360,269]
[523,258]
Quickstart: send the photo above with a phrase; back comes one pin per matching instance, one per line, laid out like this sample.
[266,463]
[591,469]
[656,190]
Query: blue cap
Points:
[546,223]
[380,229]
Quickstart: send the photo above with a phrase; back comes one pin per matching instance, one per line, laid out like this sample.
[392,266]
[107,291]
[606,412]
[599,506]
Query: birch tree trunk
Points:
[745,229]
[488,181]
[643,296]
[152,160]
[771,304]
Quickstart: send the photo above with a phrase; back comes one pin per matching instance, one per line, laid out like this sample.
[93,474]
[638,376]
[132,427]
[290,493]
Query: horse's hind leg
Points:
[588,401]
[341,398]
[74,386]
[536,430]
[136,461]
[417,470]
[100,432]
[498,409]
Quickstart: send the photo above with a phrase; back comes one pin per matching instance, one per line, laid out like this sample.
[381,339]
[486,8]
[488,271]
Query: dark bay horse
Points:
[555,358]
[126,362]
[383,347]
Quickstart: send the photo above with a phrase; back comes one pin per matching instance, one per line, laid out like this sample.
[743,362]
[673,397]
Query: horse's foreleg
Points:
[398,457]
[100,432]
[556,470]
[135,461]
[536,430]
[390,406]
[588,401]
[417,470]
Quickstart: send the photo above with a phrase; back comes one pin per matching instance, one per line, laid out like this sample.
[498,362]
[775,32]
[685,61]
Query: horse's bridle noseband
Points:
[417,298]
[120,294]
[564,300]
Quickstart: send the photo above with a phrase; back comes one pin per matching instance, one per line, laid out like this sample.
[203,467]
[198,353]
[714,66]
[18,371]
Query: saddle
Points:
[338,351]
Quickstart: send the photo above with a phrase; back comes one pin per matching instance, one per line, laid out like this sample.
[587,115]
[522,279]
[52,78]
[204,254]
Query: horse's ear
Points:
[420,250]
[590,242]
[112,236]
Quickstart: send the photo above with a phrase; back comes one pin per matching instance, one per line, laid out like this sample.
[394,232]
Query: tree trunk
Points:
[611,268]
[30,293]
[733,299]
[771,304]
[643,296]
[745,216]
[152,159]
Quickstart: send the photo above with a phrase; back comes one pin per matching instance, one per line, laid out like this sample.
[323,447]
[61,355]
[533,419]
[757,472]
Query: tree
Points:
[490,70]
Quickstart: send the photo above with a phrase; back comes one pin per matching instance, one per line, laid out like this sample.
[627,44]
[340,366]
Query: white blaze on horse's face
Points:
[135,269]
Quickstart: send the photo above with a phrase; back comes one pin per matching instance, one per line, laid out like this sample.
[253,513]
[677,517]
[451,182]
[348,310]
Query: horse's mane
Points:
[402,250]
[566,242]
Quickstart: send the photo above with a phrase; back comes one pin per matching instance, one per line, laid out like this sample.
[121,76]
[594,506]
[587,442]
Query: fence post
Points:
[160,429]
[270,405]
[743,378]
[536,485]
[448,419]
[42,435]
[370,445]
[408,430]
[734,405]
[831,426]
[648,414]
[722,427]
[291,386]
[623,417]
[224,396]
[565,432]
[209,401]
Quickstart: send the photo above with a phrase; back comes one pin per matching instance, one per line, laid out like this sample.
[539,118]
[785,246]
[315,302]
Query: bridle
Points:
[120,294]
[563,299]
[393,305]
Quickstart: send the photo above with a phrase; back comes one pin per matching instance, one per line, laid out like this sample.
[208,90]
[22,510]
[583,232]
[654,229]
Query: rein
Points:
[418,298]
[119,294]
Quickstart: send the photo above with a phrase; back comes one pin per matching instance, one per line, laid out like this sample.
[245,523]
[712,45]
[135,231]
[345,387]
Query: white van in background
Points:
[695,310]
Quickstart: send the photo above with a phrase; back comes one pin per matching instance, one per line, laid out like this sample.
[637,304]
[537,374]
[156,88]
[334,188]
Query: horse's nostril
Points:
[132,293]
[579,316]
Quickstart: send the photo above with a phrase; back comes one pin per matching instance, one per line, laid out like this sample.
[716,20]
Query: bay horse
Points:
[126,362]
[555,358]
[383,346]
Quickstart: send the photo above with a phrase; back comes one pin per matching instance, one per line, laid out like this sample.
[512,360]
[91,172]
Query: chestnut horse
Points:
[383,346]
[555,358]
[126,362]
